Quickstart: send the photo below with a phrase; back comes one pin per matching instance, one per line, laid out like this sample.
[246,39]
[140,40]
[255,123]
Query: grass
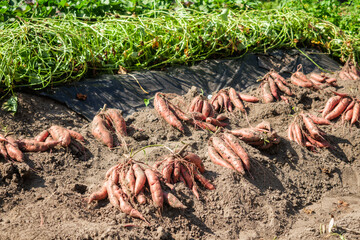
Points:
[42,52]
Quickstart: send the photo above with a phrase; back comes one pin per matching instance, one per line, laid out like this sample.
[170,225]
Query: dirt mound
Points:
[292,191]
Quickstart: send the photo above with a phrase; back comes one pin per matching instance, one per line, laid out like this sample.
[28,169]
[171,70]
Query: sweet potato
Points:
[321,143]
[216,105]
[205,125]
[221,117]
[141,198]
[273,88]
[125,206]
[173,201]
[217,159]
[212,111]
[197,116]
[99,195]
[42,136]
[283,88]
[186,175]
[177,172]
[290,132]
[114,177]
[277,76]
[111,194]
[205,182]
[198,106]
[311,127]
[264,125]
[166,113]
[235,99]
[167,170]
[3,151]
[195,191]
[225,151]
[344,102]
[193,158]
[206,108]
[344,75]
[76,135]
[354,76]
[330,104]
[247,134]
[215,122]
[130,180]
[300,75]
[350,106]
[110,170]
[319,120]
[248,98]
[227,101]
[60,134]
[266,93]
[234,143]
[117,120]
[193,103]
[331,81]
[13,150]
[140,178]
[316,83]
[349,114]
[178,113]
[356,113]
[155,188]
[221,102]
[317,77]
[298,134]
[30,145]
[99,131]
[298,82]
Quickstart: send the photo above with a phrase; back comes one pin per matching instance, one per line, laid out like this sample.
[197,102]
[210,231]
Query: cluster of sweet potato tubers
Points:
[132,179]
[13,149]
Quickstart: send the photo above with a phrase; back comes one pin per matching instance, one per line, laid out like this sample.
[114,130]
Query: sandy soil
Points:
[292,194]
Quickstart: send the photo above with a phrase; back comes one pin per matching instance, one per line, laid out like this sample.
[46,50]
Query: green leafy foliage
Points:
[49,42]
[11,105]
[43,52]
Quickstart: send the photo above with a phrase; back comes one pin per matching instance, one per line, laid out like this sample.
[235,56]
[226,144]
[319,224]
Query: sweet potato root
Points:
[173,201]
[225,151]
[31,145]
[100,131]
[155,188]
[13,150]
[164,111]
[217,159]
[117,120]
[60,134]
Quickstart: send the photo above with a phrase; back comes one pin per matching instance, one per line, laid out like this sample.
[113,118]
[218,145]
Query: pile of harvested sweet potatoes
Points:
[227,99]
[305,132]
[107,122]
[132,179]
[225,149]
[350,71]
[315,81]
[185,167]
[13,149]
[273,86]
[263,136]
[342,104]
